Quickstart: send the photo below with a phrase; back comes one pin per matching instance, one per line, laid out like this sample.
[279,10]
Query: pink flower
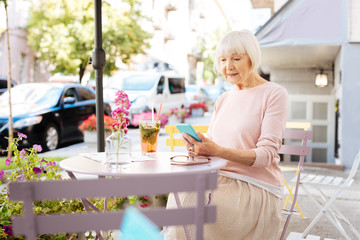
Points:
[37,148]
[144,205]
[21,136]
[21,177]
[8,161]
[1,173]
[51,164]
[43,160]
[123,105]
[122,100]
[119,113]
[36,170]
[115,126]
[22,153]
[8,230]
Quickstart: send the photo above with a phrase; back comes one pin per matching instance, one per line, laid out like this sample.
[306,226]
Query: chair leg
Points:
[324,207]
[287,199]
[177,200]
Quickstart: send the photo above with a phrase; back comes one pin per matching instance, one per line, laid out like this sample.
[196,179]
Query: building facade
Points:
[24,65]
[304,38]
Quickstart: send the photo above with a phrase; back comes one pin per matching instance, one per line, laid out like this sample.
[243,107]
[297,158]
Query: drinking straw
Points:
[158,115]
[152,112]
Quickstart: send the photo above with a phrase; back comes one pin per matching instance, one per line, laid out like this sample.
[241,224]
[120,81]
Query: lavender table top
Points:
[93,164]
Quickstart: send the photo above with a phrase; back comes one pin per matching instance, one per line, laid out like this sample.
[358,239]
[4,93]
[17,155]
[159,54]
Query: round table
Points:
[140,165]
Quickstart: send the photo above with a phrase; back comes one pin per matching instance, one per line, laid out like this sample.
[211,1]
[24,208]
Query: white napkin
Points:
[101,157]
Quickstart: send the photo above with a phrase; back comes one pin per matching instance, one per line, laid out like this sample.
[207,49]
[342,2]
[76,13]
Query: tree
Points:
[207,46]
[62,32]
[11,128]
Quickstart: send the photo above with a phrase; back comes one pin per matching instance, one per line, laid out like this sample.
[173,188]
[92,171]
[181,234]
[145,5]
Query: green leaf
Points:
[62,32]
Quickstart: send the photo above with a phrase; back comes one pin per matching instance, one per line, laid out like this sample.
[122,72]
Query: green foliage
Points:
[4,2]
[26,165]
[207,46]
[62,32]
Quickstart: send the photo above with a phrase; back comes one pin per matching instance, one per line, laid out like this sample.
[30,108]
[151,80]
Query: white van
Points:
[150,89]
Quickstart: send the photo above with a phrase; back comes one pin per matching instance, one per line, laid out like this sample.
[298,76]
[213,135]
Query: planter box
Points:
[90,137]
[197,112]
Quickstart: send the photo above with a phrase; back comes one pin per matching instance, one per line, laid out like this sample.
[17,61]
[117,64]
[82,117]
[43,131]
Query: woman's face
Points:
[235,68]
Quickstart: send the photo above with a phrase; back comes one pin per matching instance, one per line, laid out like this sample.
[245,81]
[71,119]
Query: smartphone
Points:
[187,128]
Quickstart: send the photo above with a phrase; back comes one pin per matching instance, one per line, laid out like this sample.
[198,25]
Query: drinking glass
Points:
[149,133]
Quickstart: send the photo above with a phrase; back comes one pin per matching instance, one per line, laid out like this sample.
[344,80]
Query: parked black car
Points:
[48,113]
[3,84]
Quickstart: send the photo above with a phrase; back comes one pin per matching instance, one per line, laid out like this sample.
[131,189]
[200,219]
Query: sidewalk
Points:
[348,203]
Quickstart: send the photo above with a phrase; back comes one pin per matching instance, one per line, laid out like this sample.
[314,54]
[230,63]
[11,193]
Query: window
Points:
[298,110]
[177,85]
[70,93]
[320,110]
[3,83]
[160,87]
[319,155]
[85,94]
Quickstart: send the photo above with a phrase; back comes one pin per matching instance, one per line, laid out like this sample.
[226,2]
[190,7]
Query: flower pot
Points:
[118,150]
[90,137]
[197,112]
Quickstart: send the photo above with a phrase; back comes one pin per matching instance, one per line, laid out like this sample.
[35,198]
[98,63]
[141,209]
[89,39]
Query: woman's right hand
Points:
[204,148]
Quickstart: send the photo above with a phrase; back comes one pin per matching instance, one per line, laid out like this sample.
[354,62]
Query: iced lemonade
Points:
[149,132]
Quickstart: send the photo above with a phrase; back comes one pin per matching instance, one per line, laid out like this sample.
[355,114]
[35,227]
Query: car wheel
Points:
[51,137]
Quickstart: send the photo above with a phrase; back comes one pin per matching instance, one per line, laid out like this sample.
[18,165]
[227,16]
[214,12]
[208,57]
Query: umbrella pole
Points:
[98,62]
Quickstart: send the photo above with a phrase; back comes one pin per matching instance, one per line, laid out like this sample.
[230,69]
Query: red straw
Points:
[158,115]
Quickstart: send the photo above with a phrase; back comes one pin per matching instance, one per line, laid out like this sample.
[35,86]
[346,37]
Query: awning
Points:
[303,33]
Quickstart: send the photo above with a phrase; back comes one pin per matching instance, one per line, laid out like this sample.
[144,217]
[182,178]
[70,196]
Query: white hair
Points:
[238,42]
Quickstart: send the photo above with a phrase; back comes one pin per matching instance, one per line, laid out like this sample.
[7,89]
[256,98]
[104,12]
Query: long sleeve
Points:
[272,128]
[252,119]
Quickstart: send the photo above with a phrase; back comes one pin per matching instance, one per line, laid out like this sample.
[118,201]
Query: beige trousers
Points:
[244,212]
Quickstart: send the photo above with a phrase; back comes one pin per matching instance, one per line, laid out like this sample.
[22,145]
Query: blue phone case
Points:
[187,128]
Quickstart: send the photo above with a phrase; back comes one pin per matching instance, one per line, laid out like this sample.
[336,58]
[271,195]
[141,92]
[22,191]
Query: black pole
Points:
[98,62]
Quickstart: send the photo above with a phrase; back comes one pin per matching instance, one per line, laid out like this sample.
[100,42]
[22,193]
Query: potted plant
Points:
[179,113]
[198,109]
[163,118]
[88,127]
[26,165]
[118,144]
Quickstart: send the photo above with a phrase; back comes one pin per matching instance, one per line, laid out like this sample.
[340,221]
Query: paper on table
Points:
[101,157]
[98,157]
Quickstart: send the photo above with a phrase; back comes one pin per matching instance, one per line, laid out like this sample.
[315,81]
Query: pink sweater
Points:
[253,119]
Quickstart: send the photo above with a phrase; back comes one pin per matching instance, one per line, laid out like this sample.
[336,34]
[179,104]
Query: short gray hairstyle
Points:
[239,42]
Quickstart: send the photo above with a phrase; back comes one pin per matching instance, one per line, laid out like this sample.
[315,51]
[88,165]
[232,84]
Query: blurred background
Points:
[162,51]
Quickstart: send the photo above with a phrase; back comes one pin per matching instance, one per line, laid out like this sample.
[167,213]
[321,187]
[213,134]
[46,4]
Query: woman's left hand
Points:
[204,148]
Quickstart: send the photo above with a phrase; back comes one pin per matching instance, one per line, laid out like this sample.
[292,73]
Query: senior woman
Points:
[246,129]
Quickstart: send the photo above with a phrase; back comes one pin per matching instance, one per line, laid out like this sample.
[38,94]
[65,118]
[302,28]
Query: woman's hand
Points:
[204,148]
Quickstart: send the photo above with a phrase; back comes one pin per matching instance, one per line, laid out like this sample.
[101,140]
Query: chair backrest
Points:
[31,225]
[296,134]
[301,151]
[175,142]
